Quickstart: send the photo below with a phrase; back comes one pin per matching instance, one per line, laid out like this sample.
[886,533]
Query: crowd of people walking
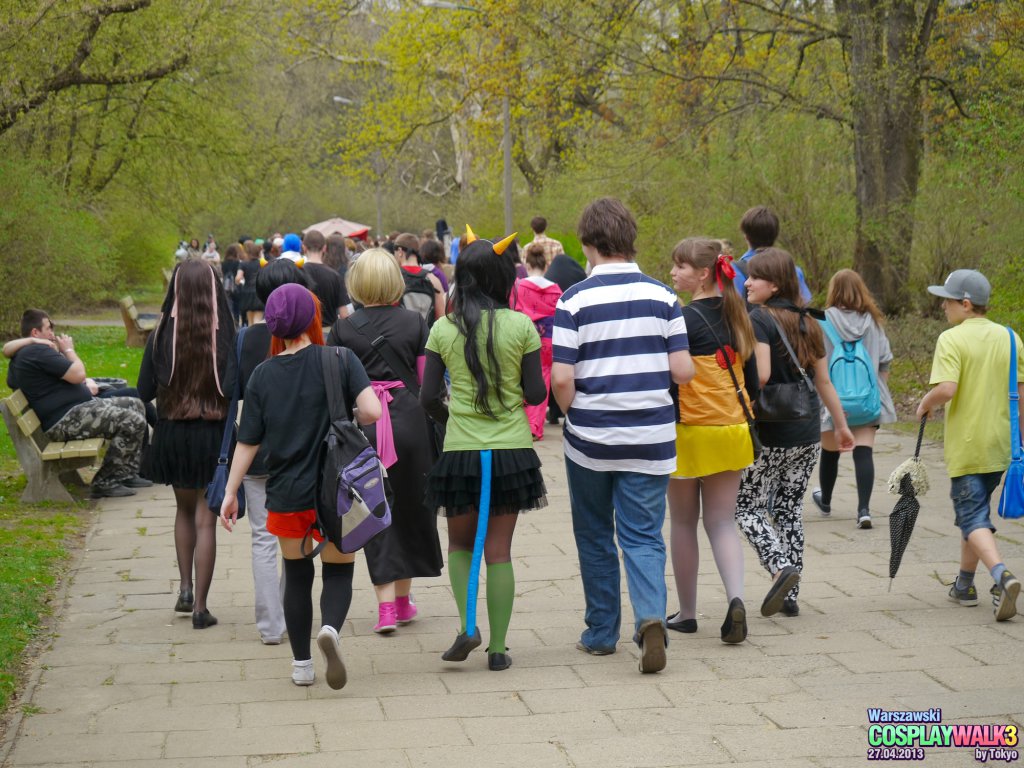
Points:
[716,408]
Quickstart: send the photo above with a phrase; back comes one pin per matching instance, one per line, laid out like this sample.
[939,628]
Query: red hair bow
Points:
[723,266]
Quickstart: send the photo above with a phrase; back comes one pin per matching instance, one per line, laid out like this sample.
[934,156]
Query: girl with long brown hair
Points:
[188,365]
[769,506]
[851,310]
[713,442]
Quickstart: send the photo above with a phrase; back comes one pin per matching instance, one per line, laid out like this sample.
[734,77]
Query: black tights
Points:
[195,541]
[863,470]
[335,600]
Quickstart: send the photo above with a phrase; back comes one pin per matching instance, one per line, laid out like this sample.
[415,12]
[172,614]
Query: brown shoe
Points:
[652,642]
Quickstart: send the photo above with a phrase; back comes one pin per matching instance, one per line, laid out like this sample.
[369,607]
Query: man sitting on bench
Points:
[52,377]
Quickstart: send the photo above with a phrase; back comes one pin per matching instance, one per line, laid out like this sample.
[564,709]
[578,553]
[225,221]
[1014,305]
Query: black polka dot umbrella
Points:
[904,514]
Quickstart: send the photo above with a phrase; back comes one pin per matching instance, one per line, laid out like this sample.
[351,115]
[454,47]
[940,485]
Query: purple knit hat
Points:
[289,311]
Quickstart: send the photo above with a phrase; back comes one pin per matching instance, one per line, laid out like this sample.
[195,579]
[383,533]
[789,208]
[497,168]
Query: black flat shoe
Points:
[790,607]
[498,661]
[185,601]
[203,619]
[464,643]
[689,626]
[734,628]
[788,578]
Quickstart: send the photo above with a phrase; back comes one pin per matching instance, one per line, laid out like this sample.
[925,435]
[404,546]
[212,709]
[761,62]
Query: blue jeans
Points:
[971,495]
[631,505]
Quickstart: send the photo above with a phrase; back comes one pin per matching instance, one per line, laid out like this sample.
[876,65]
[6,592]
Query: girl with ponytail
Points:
[713,441]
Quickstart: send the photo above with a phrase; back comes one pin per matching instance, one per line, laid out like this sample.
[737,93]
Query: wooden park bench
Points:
[43,460]
[138,327]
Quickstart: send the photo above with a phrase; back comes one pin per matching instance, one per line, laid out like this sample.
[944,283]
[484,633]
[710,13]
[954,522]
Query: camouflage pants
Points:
[122,420]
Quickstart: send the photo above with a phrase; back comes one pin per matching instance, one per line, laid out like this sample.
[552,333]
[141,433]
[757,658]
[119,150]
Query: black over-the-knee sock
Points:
[864,470]
[298,605]
[828,471]
[337,593]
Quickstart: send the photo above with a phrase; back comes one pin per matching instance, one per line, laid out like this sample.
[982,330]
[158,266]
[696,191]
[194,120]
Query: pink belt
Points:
[385,434]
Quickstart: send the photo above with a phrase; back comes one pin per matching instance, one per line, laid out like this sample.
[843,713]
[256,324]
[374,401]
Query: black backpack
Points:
[353,497]
[419,295]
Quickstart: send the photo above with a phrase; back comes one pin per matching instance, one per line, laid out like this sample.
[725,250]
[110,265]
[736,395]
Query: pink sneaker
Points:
[406,609]
[386,622]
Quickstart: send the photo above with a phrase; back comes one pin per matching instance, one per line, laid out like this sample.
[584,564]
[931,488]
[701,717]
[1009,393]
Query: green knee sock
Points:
[501,593]
[458,575]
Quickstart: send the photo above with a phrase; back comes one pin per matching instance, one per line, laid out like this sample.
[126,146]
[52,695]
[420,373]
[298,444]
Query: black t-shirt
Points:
[255,349]
[404,329]
[329,287]
[286,411]
[778,434]
[703,342]
[37,370]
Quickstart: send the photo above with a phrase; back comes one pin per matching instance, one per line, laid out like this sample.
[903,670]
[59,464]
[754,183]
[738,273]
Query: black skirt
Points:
[184,453]
[517,485]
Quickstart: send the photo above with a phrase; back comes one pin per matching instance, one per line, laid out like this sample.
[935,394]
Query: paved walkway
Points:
[127,683]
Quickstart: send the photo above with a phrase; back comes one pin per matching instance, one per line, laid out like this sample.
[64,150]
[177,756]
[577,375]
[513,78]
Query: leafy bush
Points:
[54,255]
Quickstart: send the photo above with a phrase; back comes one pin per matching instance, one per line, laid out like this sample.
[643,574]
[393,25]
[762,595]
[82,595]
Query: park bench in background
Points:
[138,327]
[43,460]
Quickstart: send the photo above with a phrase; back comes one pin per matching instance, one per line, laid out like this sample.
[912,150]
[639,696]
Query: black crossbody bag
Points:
[751,425]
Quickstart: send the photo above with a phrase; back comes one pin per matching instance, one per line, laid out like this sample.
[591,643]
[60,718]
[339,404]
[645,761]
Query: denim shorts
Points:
[971,495]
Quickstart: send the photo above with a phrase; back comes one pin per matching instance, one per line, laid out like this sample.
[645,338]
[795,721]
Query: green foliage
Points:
[55,255]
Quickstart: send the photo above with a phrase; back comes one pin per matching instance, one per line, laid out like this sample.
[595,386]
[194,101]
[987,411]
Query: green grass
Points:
[36,538]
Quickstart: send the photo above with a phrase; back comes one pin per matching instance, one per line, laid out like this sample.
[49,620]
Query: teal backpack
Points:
[854,377]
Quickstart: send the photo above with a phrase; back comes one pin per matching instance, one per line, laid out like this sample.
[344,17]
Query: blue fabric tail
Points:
[483,512]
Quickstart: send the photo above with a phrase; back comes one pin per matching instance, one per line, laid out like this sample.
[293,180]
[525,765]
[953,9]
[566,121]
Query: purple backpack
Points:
[352,495]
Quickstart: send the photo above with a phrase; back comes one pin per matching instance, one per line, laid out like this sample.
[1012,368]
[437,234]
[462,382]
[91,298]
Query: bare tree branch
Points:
[948,87]
[72,76]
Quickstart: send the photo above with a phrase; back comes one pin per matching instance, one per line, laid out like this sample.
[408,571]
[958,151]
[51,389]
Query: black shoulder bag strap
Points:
[735,382]
[331,360]
[362,323]
[792,354]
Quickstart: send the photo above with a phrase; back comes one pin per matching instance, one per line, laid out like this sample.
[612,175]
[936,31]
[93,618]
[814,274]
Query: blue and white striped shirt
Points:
[617,328]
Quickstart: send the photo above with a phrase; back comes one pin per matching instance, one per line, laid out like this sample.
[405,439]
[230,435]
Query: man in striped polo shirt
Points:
[619,342]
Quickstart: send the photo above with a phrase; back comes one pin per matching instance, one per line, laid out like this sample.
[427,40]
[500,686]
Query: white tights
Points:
[717,494]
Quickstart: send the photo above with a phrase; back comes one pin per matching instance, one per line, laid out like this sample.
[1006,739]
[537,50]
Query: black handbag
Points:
[215,490]
[751,425]
[789,401]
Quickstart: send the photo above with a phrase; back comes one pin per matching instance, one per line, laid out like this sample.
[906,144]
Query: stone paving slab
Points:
[126,683]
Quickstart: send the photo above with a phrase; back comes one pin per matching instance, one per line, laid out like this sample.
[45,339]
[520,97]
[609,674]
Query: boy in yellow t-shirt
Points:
[970,371]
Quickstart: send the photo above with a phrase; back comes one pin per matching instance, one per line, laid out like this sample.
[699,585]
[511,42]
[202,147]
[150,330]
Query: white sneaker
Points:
[302,672]
[327,642]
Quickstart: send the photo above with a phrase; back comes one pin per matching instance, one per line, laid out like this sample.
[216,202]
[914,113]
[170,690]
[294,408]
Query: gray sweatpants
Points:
[269,586]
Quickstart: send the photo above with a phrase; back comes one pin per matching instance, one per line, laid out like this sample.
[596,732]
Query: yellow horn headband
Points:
[263,261]
[470,235]
[502,245]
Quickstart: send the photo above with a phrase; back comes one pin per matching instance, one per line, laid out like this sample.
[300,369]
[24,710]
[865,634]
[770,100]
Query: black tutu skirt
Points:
[453,486]
[183,453]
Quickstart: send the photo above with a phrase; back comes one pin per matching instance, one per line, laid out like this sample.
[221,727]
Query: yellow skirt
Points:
[702,450]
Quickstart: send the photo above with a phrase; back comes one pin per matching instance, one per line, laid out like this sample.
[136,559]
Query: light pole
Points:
[506,118]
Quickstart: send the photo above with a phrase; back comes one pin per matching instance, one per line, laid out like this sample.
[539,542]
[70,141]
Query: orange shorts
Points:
[292,525]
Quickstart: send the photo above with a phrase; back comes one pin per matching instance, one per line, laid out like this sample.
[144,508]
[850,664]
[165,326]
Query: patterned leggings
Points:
[769,506]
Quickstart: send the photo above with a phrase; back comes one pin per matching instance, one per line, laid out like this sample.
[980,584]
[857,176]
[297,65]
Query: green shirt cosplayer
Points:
[469,429]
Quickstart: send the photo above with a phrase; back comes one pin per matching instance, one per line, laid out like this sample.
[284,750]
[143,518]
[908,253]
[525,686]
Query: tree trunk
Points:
[886,46]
